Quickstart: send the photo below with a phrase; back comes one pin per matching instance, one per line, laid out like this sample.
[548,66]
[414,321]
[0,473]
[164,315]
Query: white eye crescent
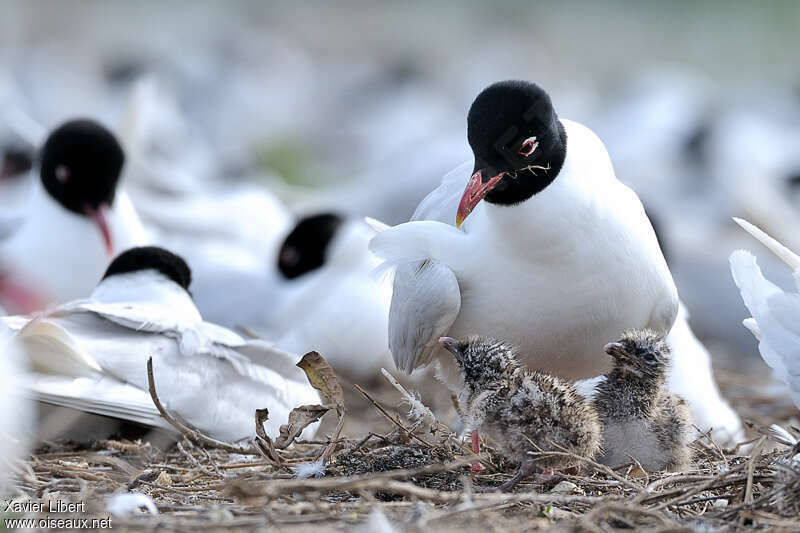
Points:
[62,173]
[528,146]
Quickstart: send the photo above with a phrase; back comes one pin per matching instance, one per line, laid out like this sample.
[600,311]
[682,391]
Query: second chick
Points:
[641,419]
[522,411]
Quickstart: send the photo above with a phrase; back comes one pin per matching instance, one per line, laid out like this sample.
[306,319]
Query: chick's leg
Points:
[476,449]
[526,469]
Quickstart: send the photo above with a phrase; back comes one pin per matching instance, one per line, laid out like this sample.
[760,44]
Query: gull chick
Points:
[522,411]
[641,419]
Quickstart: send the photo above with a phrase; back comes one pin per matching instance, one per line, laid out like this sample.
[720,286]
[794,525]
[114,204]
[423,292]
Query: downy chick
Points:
[522,411]
[641,419]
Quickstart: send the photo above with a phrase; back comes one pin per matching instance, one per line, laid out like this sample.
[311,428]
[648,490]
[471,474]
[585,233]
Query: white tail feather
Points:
[752,326]
[376,225]
[783,253]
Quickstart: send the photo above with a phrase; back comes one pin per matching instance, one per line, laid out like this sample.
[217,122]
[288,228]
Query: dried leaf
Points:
[262,441]
[164,478]
[637,473]
[299,419]
[322,377]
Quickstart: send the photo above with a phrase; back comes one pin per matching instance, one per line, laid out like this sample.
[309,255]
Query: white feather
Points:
[130,503]
[376,225]
[781,251]
[781,435]
[310,469]
[775,314]
[425,304]
[377,522]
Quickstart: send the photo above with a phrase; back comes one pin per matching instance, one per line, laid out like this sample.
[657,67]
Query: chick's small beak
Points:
[475,191]
[99,216]
[451,345]
[614,349]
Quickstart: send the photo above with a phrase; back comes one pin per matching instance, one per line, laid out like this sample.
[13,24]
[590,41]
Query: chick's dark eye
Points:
[649,358]
[528,146]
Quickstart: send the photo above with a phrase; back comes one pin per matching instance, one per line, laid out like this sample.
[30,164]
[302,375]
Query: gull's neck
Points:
[568,209]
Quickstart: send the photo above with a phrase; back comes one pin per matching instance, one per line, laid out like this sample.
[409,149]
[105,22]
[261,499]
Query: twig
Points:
[601,467]
[392,419]
[185,430]
[195,462]
[391,486]
[706,498]
[340,412]
[751,468]
[272,489]
[434,422]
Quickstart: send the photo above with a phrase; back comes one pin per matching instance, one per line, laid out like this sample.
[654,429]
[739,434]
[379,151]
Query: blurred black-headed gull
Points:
[74,220]
[329,299]
[557,255]
[776,313]
[91,354]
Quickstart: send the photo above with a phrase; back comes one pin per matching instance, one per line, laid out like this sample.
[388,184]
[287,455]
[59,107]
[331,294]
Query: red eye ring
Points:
[529,145]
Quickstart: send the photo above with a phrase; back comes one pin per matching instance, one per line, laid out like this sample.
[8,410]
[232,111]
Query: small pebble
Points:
[566,487]
[720,504]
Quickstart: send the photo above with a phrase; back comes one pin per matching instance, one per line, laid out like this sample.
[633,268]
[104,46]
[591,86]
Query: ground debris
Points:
[418,483]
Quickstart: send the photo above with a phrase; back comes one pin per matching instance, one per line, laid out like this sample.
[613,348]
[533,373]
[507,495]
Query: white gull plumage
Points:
[339,309]
[91,355]
[59,253]
[589,268]
[775,320]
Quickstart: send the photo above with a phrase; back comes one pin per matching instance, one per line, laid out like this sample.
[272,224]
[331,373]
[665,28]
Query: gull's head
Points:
[518,143]
[640,353]
[482,360]
[306,247]
[144,258]
[81,162]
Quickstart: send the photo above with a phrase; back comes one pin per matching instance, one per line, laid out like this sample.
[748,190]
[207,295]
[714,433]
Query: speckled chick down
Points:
[641,418]
[522,411]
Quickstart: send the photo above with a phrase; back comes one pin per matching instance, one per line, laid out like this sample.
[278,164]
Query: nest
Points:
[406,472]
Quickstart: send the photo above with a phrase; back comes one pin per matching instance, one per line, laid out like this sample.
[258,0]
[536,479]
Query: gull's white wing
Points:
[105,396]
[425,302]
[441,203]
[195,338]
[106,369]
[777,317]
[426,298]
